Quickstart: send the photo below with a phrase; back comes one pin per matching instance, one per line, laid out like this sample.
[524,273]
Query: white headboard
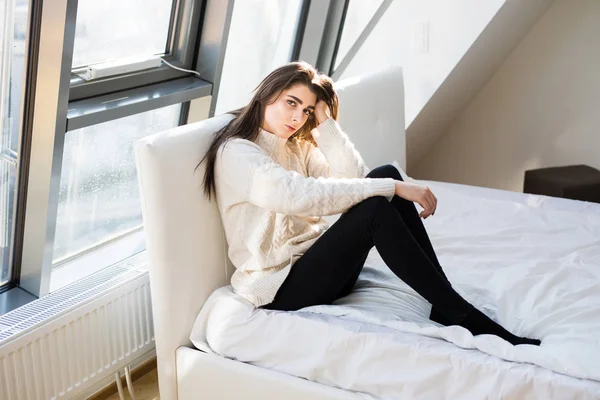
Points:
[184,237]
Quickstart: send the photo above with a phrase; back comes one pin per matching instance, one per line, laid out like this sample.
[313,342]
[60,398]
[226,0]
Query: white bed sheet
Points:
[530,262]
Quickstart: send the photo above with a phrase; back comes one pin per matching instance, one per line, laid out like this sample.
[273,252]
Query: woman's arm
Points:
[254,176]
[336,155]
[420,194]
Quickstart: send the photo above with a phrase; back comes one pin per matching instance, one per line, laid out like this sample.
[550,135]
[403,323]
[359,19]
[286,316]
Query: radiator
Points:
[68,341]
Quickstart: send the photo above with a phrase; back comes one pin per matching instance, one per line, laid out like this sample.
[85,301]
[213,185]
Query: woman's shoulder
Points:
[240,145]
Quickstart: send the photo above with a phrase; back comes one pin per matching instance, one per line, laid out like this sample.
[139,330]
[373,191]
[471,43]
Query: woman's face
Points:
[289,111]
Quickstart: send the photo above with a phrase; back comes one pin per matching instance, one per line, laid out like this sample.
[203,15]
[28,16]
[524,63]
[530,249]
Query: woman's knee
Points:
[373,205]
[370,211]
[385,171]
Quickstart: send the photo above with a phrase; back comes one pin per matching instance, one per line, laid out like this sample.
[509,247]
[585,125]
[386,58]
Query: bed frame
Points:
[187,250]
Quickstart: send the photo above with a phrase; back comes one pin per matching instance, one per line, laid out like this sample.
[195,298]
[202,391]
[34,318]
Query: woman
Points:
[279,166]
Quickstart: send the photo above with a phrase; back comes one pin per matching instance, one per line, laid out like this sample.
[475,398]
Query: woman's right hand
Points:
[419,194]
[321,112]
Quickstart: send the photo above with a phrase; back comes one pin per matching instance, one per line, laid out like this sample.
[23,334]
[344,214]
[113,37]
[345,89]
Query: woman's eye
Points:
[291,102]
[307,112]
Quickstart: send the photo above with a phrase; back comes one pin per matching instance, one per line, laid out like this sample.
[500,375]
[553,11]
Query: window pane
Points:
[12,55]
[99,196]
[262,34]
[110,30]
[358,15]
[7,197]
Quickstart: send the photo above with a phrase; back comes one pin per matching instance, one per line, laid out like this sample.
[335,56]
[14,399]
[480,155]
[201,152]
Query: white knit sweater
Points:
[272,194]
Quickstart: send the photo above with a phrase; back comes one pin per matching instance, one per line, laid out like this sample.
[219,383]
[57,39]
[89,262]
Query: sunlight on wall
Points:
[427,38]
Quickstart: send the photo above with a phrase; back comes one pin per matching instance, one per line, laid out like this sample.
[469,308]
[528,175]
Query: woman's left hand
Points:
[322,111]
[420,194]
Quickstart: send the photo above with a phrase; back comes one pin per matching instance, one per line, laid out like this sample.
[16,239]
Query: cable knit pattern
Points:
[272,195]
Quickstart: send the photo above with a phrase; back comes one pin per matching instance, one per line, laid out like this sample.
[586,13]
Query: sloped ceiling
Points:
[506,29]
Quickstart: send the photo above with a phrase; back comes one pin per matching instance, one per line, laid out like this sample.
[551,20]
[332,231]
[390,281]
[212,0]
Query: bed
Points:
[531,262]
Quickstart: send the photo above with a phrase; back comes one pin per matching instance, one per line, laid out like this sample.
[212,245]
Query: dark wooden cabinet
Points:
[578,182]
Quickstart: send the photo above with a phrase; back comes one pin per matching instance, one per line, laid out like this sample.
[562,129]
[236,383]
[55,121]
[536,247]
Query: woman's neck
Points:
[270,142]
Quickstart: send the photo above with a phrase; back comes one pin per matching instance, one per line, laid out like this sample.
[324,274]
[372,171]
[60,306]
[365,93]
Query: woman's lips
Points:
[290,128]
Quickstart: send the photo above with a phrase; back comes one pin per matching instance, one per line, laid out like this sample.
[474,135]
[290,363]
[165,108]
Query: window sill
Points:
[80,268]
[129,249]
[13,299]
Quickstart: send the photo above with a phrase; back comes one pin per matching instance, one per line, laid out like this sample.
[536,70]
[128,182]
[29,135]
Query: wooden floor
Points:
[145,388]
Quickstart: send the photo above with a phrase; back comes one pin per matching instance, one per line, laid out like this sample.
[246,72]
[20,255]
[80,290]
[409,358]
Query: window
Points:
[110,30]
[127,31]
[12,55]
[99,196]
[262,34]
[80,210]
[357,17]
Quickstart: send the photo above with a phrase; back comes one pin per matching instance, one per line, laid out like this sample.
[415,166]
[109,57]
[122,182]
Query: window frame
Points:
[336,72]
[9,291]
[319,33]
[52,111]
[185,17]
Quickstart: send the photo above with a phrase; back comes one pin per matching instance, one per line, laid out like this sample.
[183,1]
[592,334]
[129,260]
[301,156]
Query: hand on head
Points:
[322,111]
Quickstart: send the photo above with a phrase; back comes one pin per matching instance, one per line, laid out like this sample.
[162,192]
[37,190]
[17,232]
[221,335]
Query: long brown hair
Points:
[248,120]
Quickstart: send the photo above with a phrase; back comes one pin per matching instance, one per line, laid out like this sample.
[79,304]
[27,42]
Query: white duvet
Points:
[531,263]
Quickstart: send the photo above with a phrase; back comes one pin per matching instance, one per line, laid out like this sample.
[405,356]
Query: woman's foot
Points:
[437,316]
[478,324]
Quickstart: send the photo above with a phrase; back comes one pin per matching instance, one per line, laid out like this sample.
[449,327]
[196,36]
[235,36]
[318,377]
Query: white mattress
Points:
[530,262]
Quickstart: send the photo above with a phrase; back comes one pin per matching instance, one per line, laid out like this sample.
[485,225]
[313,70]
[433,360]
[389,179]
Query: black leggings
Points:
[330,267]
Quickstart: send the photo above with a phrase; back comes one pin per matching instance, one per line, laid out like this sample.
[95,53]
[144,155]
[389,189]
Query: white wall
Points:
[453,27]
[478,65]
[540,109]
